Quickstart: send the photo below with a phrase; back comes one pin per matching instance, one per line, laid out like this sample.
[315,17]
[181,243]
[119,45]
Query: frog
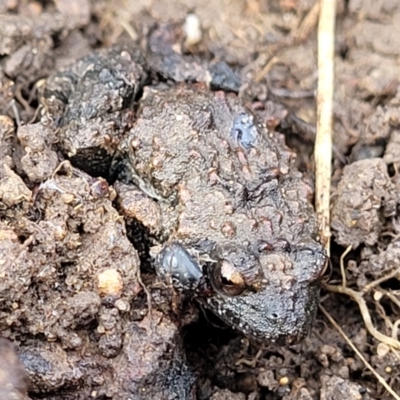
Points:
[237,228]
[232,220]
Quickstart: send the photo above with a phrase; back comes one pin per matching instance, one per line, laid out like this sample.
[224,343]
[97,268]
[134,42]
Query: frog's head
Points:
[271,296]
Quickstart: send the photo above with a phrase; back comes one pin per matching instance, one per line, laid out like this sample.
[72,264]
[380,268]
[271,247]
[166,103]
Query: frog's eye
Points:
[227,279]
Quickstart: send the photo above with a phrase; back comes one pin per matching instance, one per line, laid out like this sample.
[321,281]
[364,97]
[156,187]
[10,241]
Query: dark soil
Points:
[80,301]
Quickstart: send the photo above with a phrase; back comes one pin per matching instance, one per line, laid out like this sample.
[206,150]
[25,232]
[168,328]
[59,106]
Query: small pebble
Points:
[192,30]
[109,282]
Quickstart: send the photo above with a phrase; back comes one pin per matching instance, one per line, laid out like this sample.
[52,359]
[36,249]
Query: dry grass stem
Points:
[323,142]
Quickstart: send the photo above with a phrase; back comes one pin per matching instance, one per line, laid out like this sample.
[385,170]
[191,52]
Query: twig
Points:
[323,142]
[362,358]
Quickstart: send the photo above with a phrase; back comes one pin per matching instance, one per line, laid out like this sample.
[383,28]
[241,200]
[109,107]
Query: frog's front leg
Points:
[175,265]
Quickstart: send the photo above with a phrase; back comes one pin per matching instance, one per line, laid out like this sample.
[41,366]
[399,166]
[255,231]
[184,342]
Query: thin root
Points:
[377,282]
[342,270]
[362,358]
[391,297]
[356,296]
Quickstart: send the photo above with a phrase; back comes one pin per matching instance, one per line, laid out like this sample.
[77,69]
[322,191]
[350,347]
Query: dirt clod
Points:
[365,196]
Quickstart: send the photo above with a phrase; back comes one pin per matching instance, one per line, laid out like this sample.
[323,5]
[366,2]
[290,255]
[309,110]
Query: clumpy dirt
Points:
[80,303]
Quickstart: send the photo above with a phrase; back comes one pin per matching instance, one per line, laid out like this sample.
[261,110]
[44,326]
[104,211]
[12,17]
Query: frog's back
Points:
[190,130]
[211,156]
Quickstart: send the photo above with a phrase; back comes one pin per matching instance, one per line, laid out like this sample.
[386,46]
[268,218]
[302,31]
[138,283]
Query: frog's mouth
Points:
[266,316]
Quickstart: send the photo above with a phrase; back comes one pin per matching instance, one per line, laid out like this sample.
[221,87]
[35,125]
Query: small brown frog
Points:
[236,225]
